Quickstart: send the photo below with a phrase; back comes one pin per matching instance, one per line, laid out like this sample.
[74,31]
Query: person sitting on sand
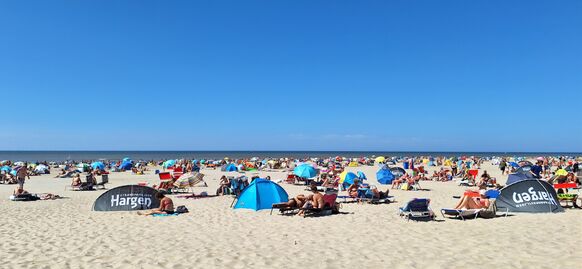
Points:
[224,185]
[19,191]
[486,179]
[353,189]
[76,182]
[473,202]
[166,206]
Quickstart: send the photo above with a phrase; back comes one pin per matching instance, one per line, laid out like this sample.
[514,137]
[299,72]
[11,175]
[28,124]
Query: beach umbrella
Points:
[126,159]
[98,166]
[384,176]
[361,175]
[19,163]
[353,164]
[202,161]
[540,158]
[13,172]
[561,172]
[194,161]
[261,194]
[380,159]
[6,168]
[305,171]
[347,177]
[514,164]
[169,163]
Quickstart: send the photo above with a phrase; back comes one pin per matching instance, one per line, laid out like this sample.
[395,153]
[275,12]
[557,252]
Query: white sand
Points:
[67,234]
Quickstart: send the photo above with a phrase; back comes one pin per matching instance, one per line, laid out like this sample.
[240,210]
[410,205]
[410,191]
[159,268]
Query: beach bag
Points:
[182,209]
[490,212]
[405,187]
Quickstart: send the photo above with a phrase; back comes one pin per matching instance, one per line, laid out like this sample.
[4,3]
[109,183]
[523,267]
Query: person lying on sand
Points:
[166,206]
[470,201]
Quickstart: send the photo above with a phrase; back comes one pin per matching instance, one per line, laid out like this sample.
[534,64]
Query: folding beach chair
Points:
[177,172]
[104,180]
[564,196]
[417,209]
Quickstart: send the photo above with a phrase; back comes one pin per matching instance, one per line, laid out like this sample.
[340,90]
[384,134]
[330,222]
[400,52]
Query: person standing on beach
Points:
[21,175]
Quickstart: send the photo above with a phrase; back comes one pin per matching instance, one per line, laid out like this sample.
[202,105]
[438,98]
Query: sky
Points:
[291,75]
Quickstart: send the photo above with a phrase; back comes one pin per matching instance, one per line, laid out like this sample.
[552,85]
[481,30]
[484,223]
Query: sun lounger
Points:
[462,214]
[417,209]
[329,207]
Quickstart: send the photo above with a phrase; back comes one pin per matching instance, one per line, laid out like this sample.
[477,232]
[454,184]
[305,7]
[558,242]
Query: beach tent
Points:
[231,167]
[169,163]
[516,177]
[98,165]
[531,195]
[124,166]
[397,171]
[127,198]
[526,169]
[361,175]
[384,176]
[347,178]
[41,169]
[305,171]
[261,194]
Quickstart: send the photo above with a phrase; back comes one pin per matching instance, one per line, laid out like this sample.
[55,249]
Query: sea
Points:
[60,156]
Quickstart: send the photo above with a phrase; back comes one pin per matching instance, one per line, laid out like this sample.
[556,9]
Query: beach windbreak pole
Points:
[127,198]
[531,195]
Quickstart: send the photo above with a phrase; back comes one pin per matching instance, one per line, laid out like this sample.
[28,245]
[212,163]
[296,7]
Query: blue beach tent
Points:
[261,194]
[98,166]
[384,176]
[124,166]
[230,168]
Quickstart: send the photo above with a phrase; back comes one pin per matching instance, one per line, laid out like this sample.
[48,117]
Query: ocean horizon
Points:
[64,155]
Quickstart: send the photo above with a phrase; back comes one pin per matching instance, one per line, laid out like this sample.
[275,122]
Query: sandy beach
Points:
[66,233]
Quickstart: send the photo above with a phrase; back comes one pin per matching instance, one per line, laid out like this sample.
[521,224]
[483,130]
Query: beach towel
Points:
[165,215]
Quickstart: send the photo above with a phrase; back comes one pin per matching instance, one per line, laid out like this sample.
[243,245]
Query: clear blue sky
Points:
[291,75]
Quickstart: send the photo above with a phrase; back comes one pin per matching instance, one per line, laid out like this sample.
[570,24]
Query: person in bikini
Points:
[166,206]
[473,202]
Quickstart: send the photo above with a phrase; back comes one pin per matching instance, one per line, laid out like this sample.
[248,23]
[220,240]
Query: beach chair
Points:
[462,214]
[564,196]
[470,182]
[177,172]
[417,209]
[104,180]
[291,179]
